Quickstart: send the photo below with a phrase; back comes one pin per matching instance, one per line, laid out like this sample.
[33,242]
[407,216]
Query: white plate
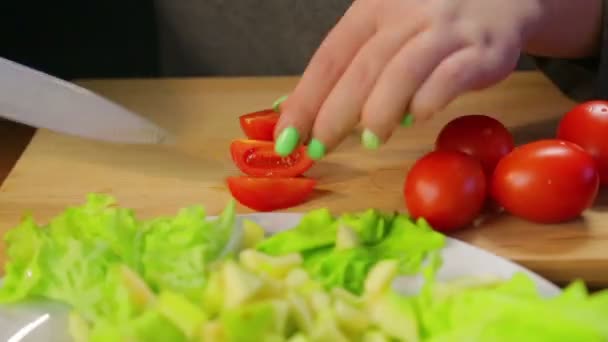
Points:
[33,323]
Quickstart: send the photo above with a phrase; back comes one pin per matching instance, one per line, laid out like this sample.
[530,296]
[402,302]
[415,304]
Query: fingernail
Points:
[316,149]
[407,121]
[370,140]
[277,103]
[287,141]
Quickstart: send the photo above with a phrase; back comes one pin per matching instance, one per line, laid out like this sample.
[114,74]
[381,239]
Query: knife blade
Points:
[40,100]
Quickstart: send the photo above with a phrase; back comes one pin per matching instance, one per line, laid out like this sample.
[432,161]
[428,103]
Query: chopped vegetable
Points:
[259,125]
[262,194]
[258,158]
[183,279]
[372,236]
[106,264]
[268,173]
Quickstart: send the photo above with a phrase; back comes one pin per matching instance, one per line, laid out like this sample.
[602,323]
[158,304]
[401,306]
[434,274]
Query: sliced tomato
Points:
[258,158]
[268,194]
[260,125]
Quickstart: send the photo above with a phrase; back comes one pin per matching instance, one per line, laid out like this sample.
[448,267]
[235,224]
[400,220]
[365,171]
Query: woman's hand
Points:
[388,58]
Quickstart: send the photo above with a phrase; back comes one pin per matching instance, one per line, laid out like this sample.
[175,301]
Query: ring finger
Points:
[406,71]
[341,111]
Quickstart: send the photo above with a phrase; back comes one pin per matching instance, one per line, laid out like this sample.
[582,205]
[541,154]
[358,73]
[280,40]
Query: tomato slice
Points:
[268,194]
[260,125]
[258,158]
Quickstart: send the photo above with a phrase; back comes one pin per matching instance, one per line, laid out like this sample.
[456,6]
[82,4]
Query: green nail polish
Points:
[316,149]
[277,103]
[287,141]
[370,140]
[407,121]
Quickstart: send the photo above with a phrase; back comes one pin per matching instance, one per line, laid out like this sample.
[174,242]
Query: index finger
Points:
[324,70]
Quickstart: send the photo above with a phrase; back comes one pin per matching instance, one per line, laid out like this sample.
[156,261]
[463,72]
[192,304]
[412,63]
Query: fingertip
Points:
[316,149]
[423,114]
[287,141]
[379,128]
[408,120]
[300,120]
[370,140]
[276,105]
[424,105]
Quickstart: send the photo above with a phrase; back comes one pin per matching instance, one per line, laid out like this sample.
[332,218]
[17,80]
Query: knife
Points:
[40,100]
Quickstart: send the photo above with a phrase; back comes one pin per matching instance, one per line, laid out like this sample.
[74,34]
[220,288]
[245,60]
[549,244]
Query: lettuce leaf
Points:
[69,259]
[23,274]
[380,236]
[177,250]
[107,265]
[508,310]
[316,229]
[136,280]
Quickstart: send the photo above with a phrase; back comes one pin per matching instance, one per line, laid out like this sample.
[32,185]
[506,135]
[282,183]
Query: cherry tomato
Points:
[258,158]
[480,136]
[587,126]
[267,194]
[447,188]
[260,125]
[546,181]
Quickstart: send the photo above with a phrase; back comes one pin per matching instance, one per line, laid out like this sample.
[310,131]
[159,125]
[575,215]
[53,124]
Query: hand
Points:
[387,58]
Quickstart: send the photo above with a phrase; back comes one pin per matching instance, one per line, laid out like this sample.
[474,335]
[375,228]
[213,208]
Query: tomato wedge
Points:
[260,125]
[257,158]
[268,194]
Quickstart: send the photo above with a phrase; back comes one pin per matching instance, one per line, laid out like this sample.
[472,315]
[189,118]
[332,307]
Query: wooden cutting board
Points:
[56,171]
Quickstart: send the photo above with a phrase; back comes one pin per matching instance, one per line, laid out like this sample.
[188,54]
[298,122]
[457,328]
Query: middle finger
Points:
[402,76]
[341,111]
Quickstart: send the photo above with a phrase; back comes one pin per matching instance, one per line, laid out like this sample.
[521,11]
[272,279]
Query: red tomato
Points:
[480,136]
[587,125]
[447,188]
[257,158]
[267,194]
[260,125]
[546,181]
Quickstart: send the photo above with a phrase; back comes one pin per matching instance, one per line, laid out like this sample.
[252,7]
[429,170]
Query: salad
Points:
[194,278]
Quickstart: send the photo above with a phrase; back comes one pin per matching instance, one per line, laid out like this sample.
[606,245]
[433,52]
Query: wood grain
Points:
[56,170]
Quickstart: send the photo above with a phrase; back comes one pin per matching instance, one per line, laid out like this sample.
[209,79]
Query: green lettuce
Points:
[316,229]
[176,251]
[107,265]
[506,310]
[70,259]
[377,236]
[183,279]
